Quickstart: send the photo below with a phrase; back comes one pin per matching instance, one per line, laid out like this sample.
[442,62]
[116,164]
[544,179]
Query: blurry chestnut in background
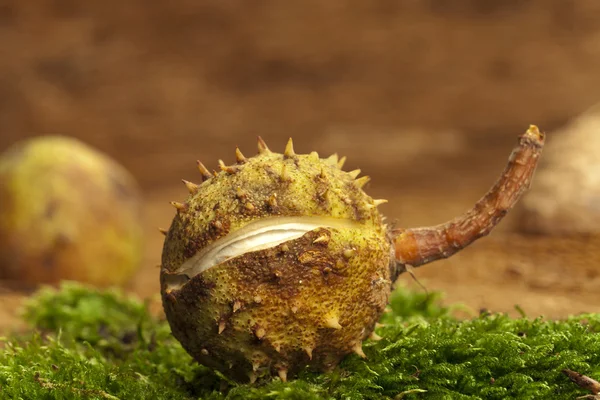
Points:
[67,212]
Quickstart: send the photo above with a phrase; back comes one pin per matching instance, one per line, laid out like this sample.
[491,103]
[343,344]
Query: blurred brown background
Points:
[427,97]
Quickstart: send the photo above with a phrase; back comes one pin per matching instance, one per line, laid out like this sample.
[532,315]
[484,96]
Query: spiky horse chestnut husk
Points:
[282,261]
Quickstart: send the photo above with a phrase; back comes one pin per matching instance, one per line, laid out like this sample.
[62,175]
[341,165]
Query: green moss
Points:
[100,344]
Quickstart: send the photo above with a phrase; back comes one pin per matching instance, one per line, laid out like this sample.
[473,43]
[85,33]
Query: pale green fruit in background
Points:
[67,212]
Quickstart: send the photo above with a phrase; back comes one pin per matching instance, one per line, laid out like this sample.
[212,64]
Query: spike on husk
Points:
[206,174]
[282,372]
[289,149]
[362,181]
[332,321]
[341,162]
[191,187]
[272,201]
[227,168]
[378,202]
[354,173]
[260,333]
[332,159]
[359,350]
[179,206]
[309,352]
[252,377]
[237,305]
[348,253]
[262,146]
[239,157]
[321,239]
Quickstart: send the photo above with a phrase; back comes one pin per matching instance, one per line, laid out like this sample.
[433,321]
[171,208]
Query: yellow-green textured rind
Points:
[308,301]
[285,308]
[68,213]
[266,185]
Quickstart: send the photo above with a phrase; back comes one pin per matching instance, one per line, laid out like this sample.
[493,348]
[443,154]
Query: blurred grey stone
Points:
[565,196]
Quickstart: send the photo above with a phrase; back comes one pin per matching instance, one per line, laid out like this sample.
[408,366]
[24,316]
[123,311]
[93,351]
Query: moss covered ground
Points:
[86,343]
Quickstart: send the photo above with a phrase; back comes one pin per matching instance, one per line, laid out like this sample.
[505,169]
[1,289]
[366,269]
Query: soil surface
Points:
[427,98]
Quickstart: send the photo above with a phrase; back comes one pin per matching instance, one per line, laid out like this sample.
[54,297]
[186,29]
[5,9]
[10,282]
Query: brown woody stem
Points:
[420,246]
[584,382]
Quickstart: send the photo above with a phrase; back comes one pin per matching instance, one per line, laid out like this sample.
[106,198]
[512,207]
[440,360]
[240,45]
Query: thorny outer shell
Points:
[308,301]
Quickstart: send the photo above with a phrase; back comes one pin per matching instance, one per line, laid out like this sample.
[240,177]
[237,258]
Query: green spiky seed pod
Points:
[274,263]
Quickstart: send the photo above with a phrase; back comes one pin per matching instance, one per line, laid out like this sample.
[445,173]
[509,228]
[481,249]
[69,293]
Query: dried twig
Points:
[584,382]
[420,246]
